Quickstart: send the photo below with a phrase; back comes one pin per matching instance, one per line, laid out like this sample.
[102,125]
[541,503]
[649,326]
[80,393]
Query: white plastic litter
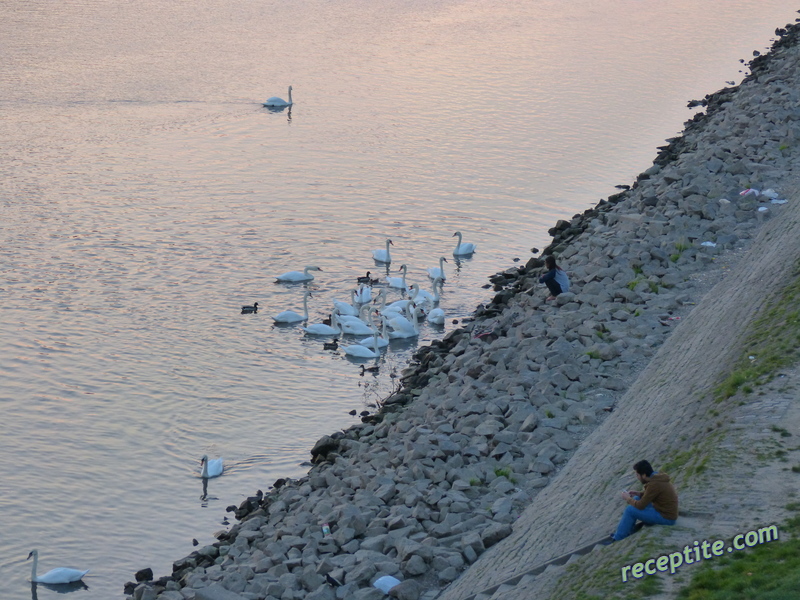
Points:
[749,192]
[709,244]
[386,583]
[770,193]
[778,201]
[762,209]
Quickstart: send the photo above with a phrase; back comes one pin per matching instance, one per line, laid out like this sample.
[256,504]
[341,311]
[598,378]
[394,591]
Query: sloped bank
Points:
[489,416]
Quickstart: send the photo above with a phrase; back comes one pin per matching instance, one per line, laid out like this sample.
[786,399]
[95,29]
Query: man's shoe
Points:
[608,541]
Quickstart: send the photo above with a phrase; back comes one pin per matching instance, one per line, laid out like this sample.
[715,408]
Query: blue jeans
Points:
[647,515]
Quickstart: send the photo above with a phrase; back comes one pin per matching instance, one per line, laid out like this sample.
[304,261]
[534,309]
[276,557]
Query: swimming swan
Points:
[343,308]
[289,316]
[383,255]
[405,327]
[434,272]
[399,282]
[322,329]
[358,327]
[275,101]
[211,468]
[382,341]
[364,294]
[57,575]
[359,351]
[463,248]
[293,276]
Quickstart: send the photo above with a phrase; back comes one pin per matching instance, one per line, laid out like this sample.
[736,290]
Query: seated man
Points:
[657,505]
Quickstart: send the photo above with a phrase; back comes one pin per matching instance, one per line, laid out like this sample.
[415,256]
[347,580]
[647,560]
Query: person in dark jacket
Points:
[656,505]
[555,278]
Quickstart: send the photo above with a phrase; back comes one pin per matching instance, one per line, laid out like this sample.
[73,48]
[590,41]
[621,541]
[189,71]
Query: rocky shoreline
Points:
[486,416]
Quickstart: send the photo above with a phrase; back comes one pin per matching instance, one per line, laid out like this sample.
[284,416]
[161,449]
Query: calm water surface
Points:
[146,195]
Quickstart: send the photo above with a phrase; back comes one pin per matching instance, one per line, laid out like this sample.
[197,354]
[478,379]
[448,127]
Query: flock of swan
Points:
[372,316]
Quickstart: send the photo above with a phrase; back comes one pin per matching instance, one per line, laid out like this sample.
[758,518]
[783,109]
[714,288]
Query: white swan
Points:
[399,282]
[360,351]
[343,308]
[289,316]
[434,272]
[276,101]
[405,327]
[382,341]
[364,294]
[361,318]
[57,575]
[358,327]
[383,255]
[436,316]
[293,276]
[322,329]
[211,468]
[463,248]
[398,306]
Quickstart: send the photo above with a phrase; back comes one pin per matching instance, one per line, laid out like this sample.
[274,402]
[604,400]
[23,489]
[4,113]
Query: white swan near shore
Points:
[361,351]
[57,575]
[322,329]
[211,468]
[275,101]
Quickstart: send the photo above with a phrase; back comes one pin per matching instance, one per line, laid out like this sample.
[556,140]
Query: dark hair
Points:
[643,468]
[550,262]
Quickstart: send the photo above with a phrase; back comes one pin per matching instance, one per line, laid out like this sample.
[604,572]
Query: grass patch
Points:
[773,343]
[770,571]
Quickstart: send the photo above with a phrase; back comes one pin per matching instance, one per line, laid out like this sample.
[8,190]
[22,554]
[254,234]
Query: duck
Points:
[211,468]
[249,310]
[361,351]
[323,329]
[399,282]
[57,575]
[366,279]
[372,369]
[434,272]
[334,345]
[289,316]
[383,255]
[461,247]
[275,101]
[295,276]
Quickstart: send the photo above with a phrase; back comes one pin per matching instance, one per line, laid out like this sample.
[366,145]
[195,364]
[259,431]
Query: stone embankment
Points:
[488,416]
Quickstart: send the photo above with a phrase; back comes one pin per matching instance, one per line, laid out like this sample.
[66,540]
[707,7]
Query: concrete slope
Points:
[663,412]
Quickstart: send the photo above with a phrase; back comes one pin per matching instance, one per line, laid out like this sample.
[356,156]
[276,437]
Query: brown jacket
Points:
[661,494]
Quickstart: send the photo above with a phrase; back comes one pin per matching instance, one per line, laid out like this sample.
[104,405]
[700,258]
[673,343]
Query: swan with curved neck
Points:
[289,316]
[275,101]
[405,327]
[361,318]
[361,351]
[295,276]
[322,329]
[399,282]
[435,272]
[343,308]
[57,575]
[211,468]
[461,247]
[383,255]
[363,294]
[382,341]
[358,327]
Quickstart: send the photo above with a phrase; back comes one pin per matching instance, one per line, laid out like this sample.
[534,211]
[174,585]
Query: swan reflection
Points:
[58,588]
